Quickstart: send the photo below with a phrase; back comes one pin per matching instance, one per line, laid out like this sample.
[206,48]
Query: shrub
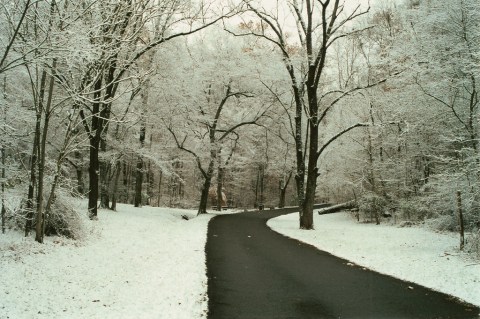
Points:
[64,219]
[413,210]
[372,206]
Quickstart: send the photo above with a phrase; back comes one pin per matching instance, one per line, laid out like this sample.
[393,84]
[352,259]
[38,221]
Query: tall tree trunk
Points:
[40,220]
[202,208]
[139,171]
[94,165]
[138,183]
[104,182]
[306,216]
[283,190]
[261,170]
[118,170]
[159,195]
[4,211]
[219,188]
[299,153]
[257,185]
[35,153]
[79,172]
[33,176]
[93,169]
[125,180]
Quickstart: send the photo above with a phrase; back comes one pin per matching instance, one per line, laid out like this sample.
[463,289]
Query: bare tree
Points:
[217,134]
[319,24]
[15,23]
[128,20]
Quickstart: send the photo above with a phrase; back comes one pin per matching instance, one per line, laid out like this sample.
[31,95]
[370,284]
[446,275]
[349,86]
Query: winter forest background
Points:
[172,103]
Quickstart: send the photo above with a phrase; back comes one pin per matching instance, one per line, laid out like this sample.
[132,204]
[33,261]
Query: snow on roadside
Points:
[414,254]
[139,263]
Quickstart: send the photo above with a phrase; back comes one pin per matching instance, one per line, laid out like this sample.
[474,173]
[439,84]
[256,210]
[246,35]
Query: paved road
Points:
[255,273]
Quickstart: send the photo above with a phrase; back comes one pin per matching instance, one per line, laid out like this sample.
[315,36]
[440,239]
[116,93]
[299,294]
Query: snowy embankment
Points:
[137,263]
[413,254]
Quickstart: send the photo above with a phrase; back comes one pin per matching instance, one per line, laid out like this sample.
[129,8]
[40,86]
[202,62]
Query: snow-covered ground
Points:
[414,254]
[150,263]
[137,263]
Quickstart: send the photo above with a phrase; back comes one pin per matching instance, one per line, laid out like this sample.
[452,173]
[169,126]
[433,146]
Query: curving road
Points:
[256,273]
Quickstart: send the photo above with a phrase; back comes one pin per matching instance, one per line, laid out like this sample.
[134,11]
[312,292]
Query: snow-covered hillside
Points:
[414,254]
[138,263]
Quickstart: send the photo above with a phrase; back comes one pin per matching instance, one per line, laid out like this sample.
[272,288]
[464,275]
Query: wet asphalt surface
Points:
[255,273]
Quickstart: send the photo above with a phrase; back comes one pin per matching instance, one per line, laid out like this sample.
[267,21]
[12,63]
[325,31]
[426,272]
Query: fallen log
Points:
[336,208]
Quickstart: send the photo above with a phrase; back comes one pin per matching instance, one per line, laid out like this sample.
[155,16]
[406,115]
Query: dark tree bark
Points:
[159,195]
[138,183]
[150,184]
[202,207]
[33,176]
[261,172]
[220,188]
[118,170]
[94,134]
[460,220]
[41,217]
[257,183]
[79,172]
[35,153]
[104,169]
[283,190]
[139,171]
[4,211]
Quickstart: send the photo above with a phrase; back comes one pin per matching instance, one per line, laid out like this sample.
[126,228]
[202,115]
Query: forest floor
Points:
[414,254]
[136,263]
[150,263]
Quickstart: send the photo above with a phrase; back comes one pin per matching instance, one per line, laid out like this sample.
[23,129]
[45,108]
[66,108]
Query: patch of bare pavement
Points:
[254,272]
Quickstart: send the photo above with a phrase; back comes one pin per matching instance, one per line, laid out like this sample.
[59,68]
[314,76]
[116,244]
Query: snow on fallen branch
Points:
[336,208]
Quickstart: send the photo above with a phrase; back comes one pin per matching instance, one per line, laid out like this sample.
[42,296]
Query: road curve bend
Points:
[254,272]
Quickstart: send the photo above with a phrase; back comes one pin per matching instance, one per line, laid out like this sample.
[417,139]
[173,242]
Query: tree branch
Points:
[15,33]
[181,147]
[344,94]
[320,151]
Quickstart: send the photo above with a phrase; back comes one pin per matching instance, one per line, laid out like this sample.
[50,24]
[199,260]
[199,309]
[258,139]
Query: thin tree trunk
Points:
[283,190]
[150,182]
[138,183]
[118,170]
[93,178]
[35,152]
[306,218]
[33,176]
[4,212]
[125,180]
[79,171]
[202,208]
[139,171]
[460,220]
[219,188]
[256,189]
[41,222]
[262,196]
[94,165]
[3,209]
[159,195]
[104,181]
